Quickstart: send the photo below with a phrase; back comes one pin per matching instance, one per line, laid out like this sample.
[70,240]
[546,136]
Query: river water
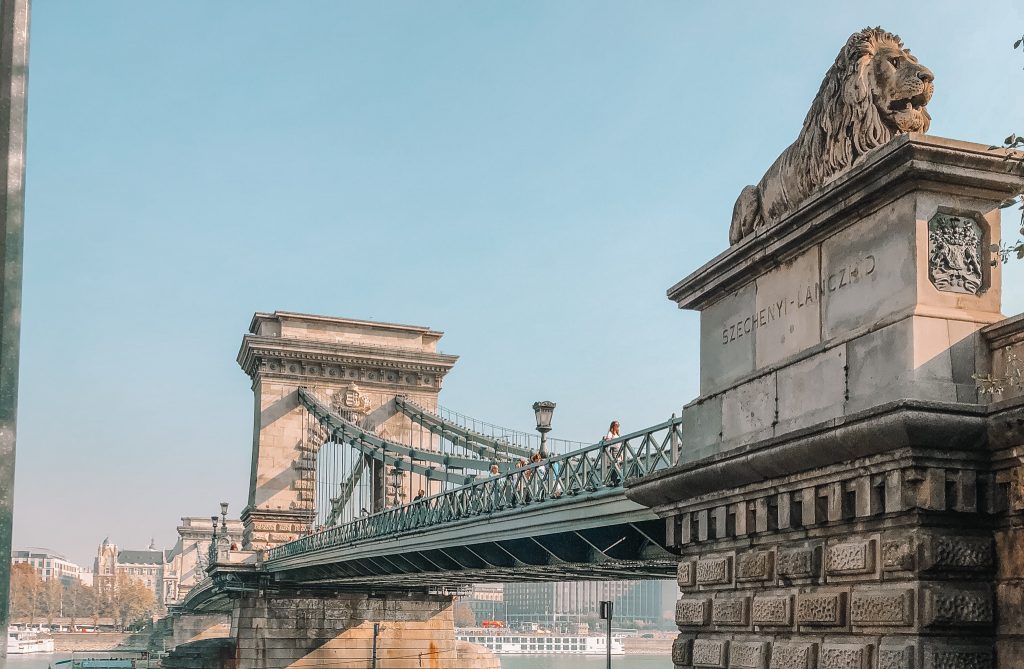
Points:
[507,662]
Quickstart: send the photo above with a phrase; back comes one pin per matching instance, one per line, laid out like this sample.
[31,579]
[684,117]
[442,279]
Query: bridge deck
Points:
[601,535]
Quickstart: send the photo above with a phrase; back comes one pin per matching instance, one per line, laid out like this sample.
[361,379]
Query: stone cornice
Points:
[930,426]
[327,356]
[907,162]
[312,318]
[1005,333]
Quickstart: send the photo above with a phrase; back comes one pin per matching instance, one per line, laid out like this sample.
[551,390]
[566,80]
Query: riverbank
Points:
[639,646]
[65,642]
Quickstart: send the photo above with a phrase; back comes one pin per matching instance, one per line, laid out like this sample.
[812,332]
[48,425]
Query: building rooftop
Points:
[141,557]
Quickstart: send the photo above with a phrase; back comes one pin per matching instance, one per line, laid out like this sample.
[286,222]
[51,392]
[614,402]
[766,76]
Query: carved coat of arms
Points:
[349,400]
[955,254]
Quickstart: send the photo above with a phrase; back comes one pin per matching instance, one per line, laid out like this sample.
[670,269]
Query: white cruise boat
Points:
[23,643]
[541,644]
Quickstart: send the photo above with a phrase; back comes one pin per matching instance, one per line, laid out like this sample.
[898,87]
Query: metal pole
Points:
[607,607]
[608,639]
[373,657]
[14,20]
[674,440]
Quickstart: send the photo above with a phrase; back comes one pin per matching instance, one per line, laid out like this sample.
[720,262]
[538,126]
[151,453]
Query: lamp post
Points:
[212,553]
[543,411]
[396,476]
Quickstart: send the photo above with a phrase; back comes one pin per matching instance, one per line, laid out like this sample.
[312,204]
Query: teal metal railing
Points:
[601,466]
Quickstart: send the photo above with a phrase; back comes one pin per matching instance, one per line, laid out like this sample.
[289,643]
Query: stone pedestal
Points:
[872,291]
[359,367]
[838,505]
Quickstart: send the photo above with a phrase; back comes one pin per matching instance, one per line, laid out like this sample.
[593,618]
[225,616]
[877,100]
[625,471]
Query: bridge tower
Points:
[360,366]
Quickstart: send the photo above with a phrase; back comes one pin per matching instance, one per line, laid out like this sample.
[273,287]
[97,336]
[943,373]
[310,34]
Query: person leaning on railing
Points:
[614,452]
[540,470]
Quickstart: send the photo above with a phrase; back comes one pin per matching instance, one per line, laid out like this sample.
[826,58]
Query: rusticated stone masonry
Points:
[837,576]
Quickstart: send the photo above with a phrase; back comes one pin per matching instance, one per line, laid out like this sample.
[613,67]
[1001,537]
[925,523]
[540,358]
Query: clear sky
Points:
[529,177]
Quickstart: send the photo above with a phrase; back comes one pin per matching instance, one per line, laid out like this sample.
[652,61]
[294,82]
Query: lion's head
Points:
[874,90]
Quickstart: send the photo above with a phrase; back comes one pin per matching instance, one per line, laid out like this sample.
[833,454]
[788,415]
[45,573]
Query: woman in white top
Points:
[614,453]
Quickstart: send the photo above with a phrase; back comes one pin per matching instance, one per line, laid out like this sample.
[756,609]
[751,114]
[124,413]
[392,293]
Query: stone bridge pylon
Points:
[361,367]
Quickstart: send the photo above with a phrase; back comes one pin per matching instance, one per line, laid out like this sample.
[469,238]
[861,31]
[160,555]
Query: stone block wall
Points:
[416,631]
[878,563]
[196,627]
[204,654]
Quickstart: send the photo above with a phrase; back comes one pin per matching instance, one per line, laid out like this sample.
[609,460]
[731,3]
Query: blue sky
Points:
[528,177]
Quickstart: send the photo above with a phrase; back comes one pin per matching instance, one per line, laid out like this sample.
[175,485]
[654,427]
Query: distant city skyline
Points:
[528,178]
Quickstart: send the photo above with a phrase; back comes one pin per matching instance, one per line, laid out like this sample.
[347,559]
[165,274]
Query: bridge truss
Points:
[565,517]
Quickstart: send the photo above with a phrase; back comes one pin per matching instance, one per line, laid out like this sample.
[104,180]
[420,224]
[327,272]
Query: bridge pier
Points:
[298,630]
[846,498]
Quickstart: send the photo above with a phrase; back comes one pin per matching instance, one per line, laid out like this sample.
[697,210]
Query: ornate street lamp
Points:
[543,411]
[212,552]
[396,476]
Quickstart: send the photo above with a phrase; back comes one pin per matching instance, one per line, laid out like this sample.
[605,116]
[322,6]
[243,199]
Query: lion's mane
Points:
[842,125]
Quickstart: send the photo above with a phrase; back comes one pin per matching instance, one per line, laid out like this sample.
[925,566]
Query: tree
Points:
[1013,142]
[1014,376]
[464,616]
[130,600]
[53,598]
[25,592]
[81,601]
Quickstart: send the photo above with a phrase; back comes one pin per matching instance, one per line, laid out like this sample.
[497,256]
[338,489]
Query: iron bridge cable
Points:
[346,430]
[462,436]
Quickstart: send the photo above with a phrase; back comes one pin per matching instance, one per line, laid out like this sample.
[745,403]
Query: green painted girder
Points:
[342,430]
[456,433]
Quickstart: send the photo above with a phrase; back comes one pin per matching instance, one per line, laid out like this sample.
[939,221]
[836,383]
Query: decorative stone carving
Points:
[797,563]
[968,553]
[681,651]
[897,556]
[350,402]
[874,91]
[772,611]
[709,653]
[685,573]
[946,606]
[959,658]
[845,656]
[729,611]
[793,655]
[714,571]
[747,655]
[895,658]
[691,612]
[955,254]
[820,609]
[754,566]
[850,558]
[885,607]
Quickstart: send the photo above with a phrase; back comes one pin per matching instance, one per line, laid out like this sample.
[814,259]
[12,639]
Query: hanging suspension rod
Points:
[342,431]
[460,436]
[347,488]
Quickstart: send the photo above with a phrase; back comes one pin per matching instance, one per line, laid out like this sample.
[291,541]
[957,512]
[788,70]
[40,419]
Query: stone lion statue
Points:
[874,91]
